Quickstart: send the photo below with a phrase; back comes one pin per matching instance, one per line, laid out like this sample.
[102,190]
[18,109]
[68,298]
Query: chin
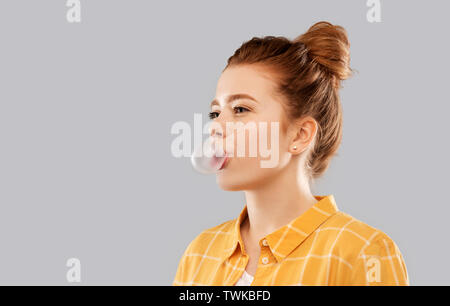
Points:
[243,176]
[238,182]
[228,183]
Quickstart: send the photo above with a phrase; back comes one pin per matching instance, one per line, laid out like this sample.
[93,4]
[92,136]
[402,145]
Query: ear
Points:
[303,132]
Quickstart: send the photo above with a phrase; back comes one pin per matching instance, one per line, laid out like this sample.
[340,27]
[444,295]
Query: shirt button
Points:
[265,260]
[264,242]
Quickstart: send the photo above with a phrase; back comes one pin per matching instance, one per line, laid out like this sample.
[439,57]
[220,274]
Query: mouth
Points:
[224,163]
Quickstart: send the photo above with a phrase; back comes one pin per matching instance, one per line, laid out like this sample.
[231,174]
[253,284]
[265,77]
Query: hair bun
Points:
[328,45]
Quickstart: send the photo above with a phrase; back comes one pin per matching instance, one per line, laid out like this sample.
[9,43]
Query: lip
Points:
[225,161]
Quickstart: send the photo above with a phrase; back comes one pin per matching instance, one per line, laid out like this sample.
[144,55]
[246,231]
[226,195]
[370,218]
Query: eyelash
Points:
[211,114]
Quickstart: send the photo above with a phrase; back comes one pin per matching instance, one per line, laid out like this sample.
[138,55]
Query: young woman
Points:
[285,235]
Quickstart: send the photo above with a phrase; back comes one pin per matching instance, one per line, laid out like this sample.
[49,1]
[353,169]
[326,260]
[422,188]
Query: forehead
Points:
[254,80]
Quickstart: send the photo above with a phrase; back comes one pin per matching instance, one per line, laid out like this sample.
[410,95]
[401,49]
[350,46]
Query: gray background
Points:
[86,109]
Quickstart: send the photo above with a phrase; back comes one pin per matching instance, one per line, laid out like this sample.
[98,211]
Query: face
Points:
[245,95]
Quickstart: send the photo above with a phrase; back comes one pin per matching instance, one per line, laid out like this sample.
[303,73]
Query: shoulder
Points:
[354,238]
[211,238]
[207,246]
[374,257]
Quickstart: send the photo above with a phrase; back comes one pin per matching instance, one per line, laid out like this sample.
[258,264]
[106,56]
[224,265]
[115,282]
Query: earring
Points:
[295,148]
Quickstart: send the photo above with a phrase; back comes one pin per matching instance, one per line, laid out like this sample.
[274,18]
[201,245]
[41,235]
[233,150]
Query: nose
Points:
[217,136]
[216,129]
[215,132]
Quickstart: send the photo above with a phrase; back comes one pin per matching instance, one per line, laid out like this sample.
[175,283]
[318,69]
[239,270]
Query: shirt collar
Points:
[285,239]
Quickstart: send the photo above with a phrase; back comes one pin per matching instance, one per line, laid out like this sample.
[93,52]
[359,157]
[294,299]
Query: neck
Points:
[276,203]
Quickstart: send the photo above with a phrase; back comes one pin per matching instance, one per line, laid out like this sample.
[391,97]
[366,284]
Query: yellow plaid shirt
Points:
[322,246]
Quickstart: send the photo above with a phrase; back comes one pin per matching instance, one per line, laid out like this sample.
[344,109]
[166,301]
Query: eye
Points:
[213,115]
[240,109]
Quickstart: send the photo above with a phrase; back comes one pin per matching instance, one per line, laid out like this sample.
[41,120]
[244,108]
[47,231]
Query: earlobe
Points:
[295,149]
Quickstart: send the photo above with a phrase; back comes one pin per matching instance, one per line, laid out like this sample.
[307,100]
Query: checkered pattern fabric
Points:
[322,246]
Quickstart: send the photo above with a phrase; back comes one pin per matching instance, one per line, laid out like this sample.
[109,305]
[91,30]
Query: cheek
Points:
[246,171]
[255,140]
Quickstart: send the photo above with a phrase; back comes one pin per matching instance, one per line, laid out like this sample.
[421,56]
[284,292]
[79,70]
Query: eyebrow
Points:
[234,97]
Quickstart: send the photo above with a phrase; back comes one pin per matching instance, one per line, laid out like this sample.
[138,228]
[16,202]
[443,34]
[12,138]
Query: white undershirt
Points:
[245,280]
